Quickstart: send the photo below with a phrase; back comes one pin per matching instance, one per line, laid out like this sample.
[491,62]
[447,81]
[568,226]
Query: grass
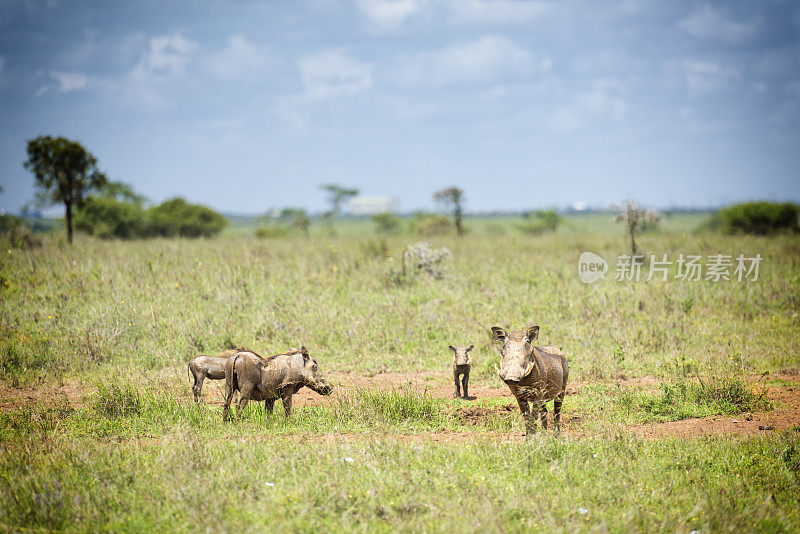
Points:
[187,483]
[683,399]
[119,321]
[156,303]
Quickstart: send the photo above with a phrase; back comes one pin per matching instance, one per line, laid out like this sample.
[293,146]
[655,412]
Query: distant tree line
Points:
[66,173]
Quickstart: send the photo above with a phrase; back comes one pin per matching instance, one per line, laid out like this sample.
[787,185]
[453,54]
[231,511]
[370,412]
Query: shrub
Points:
[539,222]
[176,217]
[759,218]
[17,232]
[423,259]
[108,217]
[272,230]
[386,223]
[431,224]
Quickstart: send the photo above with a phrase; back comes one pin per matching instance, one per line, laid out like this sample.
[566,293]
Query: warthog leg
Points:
[530,422]
[543,414]
[269,404]
[465,384]
[197,389]
[287,402]
[457,392]
[244,398]
[557,412]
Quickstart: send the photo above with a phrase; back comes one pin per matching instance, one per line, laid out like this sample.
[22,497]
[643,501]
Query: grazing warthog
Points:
[534,375]
[211,367]
[269,379]
[461,367]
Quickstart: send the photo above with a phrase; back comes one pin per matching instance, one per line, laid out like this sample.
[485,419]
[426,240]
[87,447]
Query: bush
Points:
[272,230]
[421,258]
[176,217]
[17,232]
[539,222]
[386,223]
[759,218]
[108,217]
[431,224]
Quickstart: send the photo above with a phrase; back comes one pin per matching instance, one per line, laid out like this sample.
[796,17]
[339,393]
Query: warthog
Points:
[534,375]
[211,367]
[461,367]
[269,379]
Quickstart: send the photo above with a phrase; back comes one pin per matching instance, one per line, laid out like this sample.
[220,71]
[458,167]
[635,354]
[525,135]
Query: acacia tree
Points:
[65,173]
[635,218]
[337,195]
[452,197]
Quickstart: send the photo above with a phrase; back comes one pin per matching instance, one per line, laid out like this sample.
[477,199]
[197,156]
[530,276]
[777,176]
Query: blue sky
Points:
[247,105]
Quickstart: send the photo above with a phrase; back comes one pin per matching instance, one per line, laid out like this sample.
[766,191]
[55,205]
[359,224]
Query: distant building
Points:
[372,205]
[579,206]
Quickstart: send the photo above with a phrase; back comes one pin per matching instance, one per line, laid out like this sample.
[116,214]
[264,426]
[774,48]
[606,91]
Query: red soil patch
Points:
[786,399]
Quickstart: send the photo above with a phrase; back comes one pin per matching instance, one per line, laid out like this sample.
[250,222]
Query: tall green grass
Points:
[186,482]
[153,304]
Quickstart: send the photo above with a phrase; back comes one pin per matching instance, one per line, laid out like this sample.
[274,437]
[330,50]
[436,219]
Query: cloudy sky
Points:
[245,105]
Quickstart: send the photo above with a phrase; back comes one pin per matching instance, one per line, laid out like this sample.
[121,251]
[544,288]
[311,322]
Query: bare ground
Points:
[782,389]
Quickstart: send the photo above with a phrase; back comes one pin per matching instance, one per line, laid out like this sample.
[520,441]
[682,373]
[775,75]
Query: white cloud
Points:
[705,77]
[707,22]
[389,14]
[603,101]
[69,81]
[487,59]
[166,55]
[239,59]
[497,11]
[332,73]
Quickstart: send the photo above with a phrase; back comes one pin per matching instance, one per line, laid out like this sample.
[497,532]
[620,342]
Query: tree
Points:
[452,196]
[337,195]
[635,218]
[65,173]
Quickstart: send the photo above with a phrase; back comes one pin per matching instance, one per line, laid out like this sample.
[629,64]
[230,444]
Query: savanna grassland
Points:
[99,431]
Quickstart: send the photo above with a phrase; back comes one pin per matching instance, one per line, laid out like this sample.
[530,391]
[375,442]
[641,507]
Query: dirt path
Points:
[783,390]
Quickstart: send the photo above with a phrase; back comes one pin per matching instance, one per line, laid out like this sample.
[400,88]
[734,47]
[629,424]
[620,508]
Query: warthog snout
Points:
[324,389]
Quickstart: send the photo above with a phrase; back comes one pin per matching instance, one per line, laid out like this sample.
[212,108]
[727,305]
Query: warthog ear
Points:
[470,348]
[452,348]
[498,334]
[304,352]
[532,333]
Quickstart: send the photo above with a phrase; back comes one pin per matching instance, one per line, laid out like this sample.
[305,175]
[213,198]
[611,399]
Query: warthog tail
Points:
[234,380]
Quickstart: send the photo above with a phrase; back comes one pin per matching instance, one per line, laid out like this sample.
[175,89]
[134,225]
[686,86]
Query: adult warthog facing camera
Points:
[534,375]
[269,379]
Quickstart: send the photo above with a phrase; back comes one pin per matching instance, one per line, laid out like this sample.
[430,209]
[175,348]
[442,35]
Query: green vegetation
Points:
[758,218]
[682,399]
[176,217]
[118,320]
[187,482]
[539,222]
[386,223]
[118,212]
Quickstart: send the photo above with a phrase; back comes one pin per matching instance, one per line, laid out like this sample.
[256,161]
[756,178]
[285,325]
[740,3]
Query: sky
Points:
[247,105]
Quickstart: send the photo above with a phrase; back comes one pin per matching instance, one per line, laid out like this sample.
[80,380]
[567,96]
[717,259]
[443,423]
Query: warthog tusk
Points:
[497,369]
